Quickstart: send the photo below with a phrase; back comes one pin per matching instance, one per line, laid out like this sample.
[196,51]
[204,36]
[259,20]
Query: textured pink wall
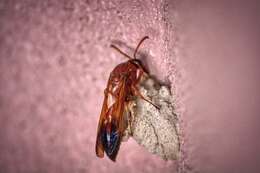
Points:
[55,60]
[218,55]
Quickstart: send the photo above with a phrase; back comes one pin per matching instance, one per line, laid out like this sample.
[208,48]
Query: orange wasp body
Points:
[121,88]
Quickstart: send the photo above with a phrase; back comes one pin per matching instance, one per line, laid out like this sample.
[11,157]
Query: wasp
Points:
[121,88]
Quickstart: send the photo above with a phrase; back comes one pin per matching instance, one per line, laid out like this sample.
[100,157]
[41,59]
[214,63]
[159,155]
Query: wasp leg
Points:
[137,93]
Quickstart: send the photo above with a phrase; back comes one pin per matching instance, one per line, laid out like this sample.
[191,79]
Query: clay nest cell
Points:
[153,128]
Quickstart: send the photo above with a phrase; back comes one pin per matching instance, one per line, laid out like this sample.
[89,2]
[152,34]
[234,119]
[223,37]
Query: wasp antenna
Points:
[139,44]
[116,48]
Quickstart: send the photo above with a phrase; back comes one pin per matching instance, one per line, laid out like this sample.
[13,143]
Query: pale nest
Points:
[155,129]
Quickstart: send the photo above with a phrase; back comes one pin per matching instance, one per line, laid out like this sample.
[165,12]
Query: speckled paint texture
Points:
[55,61]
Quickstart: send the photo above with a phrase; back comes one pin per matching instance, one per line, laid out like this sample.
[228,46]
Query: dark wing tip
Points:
[112,154]
[111,142]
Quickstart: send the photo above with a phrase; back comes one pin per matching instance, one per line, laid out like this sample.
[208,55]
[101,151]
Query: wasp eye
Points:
[136,62]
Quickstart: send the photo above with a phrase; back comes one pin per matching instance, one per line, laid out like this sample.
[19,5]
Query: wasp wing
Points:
[111,124]
[99,146]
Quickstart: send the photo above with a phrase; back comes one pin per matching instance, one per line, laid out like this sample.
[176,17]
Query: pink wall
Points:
[54,64]
[220,87]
